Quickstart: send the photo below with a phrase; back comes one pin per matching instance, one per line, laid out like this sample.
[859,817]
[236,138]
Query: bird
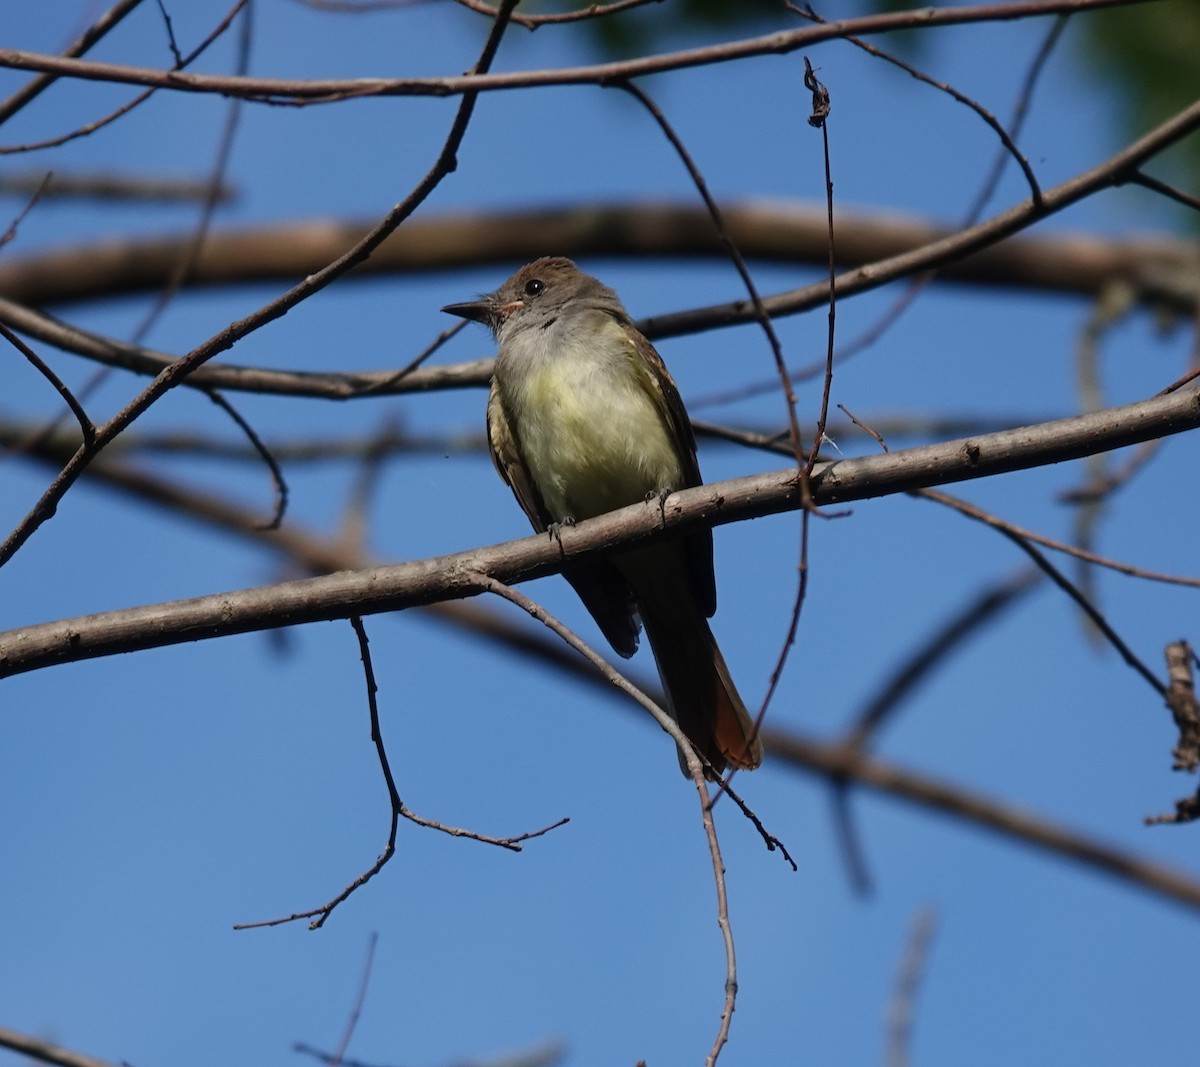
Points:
[584,418]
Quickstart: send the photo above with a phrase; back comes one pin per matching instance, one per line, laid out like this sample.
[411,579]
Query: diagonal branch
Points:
[235,331]
[404,585]
[838,761]
[826,760]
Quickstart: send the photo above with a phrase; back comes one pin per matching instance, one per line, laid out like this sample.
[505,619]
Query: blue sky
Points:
[152,801]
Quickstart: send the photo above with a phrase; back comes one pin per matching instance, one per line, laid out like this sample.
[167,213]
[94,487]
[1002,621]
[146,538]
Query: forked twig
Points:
[128,106]
[695,766]
[398,810]
[235,331]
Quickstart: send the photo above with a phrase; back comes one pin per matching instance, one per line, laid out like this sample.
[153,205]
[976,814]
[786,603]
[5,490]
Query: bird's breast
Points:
[592,436]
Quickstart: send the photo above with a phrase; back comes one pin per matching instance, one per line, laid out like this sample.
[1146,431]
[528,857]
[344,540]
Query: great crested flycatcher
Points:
[583,418]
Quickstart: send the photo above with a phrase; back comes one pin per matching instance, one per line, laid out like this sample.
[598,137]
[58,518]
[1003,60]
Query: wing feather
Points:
[660,385]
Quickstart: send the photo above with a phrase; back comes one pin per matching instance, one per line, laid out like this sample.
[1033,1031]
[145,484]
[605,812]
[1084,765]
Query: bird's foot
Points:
[554,530]
[661,496]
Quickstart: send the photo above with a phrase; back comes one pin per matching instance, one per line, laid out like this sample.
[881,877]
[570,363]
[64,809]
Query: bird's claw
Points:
[554,530]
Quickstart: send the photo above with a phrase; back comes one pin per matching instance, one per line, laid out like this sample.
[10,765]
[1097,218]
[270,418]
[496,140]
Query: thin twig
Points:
[170,28]
[972,511]
[394,378]
[192,252]
[298,92]
[398,809]
[695,766]
[739,263]
[86,427]
[321,914]
[235,331]
[532,22]
[769,839]
[1017,121]
[1088,608]
[220,167]
[359,999]
[263,452]
[1169,191]
[902,1007]
[1180,382]
[38,191]
[32,89]
[817,117]
[1008,142]
[127,107]
[891,315]
[819,120]
[870,431]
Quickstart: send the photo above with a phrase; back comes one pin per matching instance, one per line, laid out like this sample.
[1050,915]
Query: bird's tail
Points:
[701,694]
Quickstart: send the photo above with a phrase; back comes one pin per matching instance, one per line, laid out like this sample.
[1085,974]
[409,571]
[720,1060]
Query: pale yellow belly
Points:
[595,441]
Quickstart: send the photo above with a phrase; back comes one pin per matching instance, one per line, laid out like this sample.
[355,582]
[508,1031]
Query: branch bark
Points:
[404,585]
[331,90]
[1159,268]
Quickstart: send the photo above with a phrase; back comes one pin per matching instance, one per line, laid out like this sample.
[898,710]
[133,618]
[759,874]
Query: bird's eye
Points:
[534,286]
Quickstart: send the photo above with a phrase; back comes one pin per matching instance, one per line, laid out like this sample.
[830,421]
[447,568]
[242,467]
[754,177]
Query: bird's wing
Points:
[506,455]
[661,386]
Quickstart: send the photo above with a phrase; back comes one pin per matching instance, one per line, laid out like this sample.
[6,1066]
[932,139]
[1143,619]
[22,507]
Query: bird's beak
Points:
[475,310]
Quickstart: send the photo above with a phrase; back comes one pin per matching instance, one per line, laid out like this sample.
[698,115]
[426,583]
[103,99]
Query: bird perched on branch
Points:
[584,418]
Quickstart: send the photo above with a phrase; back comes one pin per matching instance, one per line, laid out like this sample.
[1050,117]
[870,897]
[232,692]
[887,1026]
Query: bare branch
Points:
[47,1051]
[991,120]
[138,100]
[331,90]
[356,1007]
[32,89]
[773,231]
[86,426]
[327,386]
[980,609]
[988,519]
[397,810]
[445,578]
[532,22]
[112,186]
[696,766]
[548,1054]
[829,761]
[841,762]
[226,338]
[902,1010]
[955,246]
